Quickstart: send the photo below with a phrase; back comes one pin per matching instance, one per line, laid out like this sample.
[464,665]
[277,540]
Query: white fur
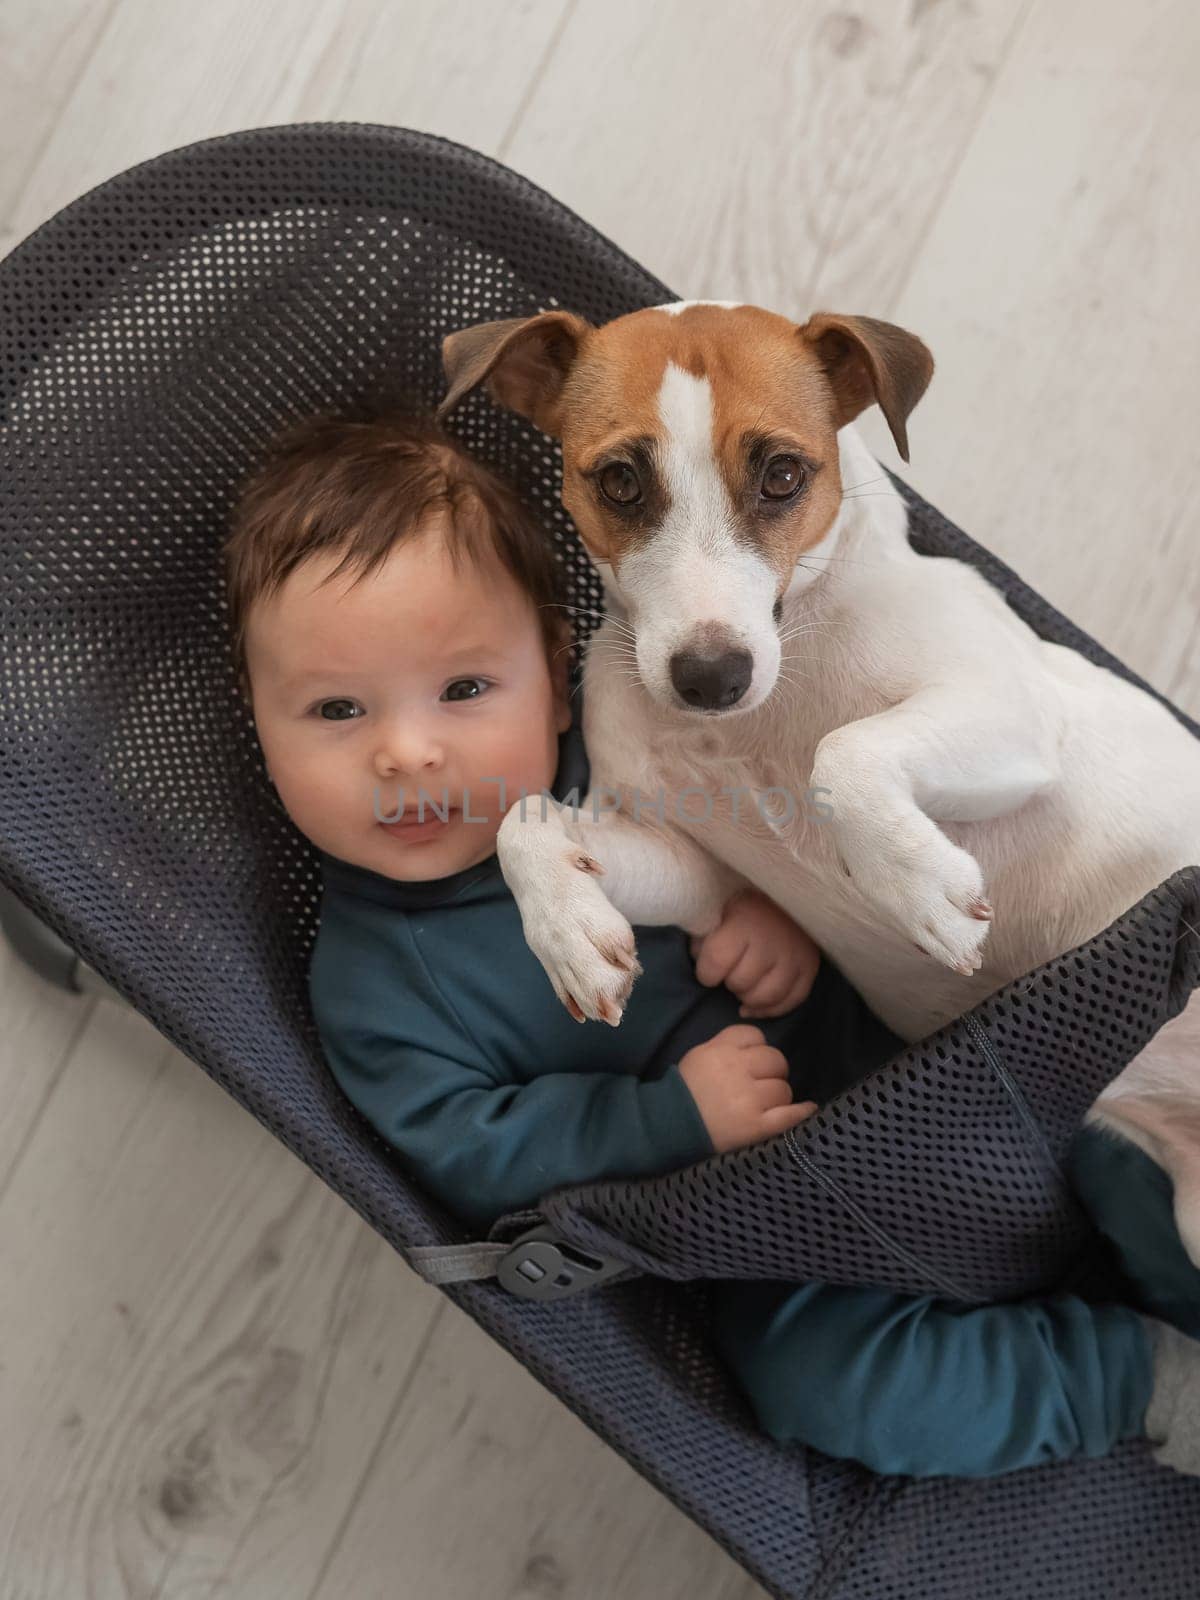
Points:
[965,756]
[674,307]
[694,571]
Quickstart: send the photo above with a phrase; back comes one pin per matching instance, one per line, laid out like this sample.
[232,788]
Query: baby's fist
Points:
[759,954]
[740,1085]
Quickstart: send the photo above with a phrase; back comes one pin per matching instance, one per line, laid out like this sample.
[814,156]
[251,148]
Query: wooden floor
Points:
[214,1380]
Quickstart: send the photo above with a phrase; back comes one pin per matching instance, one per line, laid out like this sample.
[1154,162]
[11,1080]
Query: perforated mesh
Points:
[152,337]
[941,1171]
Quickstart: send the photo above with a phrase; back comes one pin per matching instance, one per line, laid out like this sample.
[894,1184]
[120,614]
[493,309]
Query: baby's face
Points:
[414,678]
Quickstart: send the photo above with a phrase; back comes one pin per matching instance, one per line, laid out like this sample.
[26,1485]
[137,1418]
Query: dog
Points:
[988,800]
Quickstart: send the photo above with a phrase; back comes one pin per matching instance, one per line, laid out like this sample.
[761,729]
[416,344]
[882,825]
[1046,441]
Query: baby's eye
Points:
[480,683]
[339,710]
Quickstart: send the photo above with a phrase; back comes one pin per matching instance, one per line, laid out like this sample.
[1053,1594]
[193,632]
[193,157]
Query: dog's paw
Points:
[932,891]
[585,944]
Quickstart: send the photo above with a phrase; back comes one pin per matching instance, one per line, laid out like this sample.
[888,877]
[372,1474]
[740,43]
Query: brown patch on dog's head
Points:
[779,393]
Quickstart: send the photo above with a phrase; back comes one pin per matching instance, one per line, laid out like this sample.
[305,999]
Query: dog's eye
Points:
[783,477]
[619,483]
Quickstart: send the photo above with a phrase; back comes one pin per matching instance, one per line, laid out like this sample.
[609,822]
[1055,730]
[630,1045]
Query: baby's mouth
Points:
[411,826]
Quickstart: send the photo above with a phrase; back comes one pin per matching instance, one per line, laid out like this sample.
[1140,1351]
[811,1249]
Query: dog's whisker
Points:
[568,605]
[791,682]
[850,561]
[802,632]
[759,417]
[590,611]
[627,639]
[816,625]
[819,624]
[798,633]
[866,483]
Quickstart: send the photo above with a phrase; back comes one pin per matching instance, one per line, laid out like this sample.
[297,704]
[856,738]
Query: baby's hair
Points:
[364,485]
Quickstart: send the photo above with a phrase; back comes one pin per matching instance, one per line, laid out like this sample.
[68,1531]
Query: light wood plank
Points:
[203,1342]
[168,72]
[781,153]
[471,1468]
[41,1024]
[43,50]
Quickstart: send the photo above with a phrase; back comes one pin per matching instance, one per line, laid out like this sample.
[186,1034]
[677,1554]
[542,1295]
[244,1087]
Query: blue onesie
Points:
[440,1025]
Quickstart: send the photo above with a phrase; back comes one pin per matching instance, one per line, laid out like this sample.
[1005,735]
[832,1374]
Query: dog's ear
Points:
[868,361]
[524,361]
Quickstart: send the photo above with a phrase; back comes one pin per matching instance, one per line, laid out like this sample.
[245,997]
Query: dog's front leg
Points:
[961,753]
[582,876]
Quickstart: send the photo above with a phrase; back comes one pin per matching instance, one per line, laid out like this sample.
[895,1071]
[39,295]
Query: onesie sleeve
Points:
[483,1149]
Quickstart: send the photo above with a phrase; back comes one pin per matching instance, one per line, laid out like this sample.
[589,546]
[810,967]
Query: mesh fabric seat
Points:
[152,336]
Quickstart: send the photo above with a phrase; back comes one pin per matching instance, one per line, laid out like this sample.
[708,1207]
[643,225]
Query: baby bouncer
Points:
[152,336]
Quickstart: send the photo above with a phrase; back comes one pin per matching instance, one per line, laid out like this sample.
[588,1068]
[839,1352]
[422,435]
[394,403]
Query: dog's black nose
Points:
[712,683]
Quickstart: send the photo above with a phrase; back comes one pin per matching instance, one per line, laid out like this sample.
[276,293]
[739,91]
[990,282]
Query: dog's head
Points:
[700,462]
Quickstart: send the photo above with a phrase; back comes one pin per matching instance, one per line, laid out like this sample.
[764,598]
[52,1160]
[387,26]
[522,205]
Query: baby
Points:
[398,636]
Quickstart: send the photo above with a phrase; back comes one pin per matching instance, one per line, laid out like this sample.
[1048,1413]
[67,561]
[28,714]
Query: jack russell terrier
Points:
[991,800]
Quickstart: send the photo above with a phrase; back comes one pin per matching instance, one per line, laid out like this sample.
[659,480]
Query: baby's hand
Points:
[740,1085]
[759,953]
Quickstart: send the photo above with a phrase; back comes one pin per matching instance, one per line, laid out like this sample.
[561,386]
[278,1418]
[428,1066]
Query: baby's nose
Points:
[408,756]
